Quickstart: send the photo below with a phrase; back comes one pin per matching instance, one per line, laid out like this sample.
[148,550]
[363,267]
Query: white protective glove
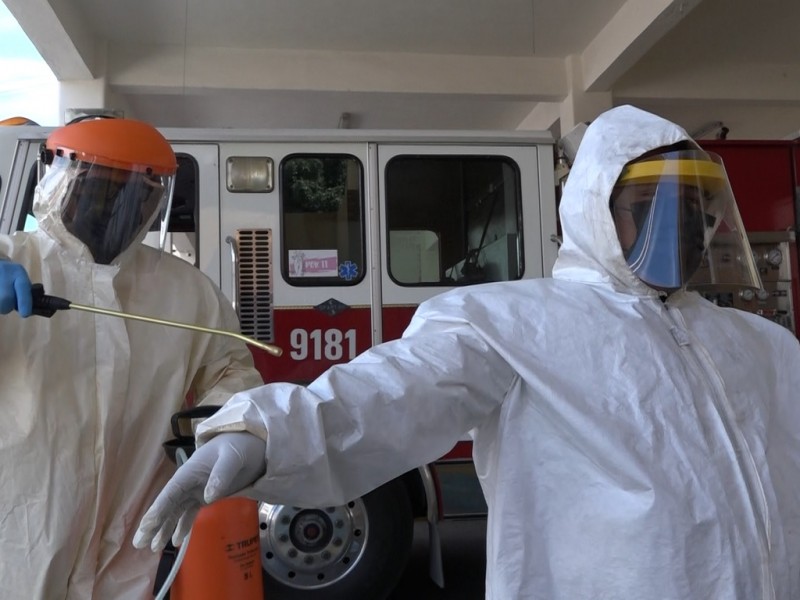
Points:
[224,465]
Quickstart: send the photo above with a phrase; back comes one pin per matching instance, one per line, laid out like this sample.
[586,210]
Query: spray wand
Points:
[45,305]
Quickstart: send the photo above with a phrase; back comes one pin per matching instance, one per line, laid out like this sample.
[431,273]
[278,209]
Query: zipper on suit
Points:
[699,358]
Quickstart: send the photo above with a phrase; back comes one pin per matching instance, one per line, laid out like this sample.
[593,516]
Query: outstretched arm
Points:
[397,406]
[393,408]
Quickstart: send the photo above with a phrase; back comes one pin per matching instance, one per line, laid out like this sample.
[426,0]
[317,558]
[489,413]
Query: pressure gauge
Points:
[762,294]
[774,257]
[747,295]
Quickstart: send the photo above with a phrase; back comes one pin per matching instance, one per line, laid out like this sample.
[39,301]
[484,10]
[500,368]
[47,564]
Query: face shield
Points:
[114,179]
[109,209]
[674,212]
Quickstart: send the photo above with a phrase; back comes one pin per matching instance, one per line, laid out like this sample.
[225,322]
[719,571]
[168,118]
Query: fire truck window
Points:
[322,220]
[182,238]
[453,220]
[27,222]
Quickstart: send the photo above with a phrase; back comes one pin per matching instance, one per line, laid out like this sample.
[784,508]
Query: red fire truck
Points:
[764,178]
[326,242]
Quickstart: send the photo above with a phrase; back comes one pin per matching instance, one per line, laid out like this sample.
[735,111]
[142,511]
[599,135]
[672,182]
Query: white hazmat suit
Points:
[86,402]
[628,446]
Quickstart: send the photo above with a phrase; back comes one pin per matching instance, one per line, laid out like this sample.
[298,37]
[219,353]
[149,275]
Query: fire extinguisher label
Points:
[244,554]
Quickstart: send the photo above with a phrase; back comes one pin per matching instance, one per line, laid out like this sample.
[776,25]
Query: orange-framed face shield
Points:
[118,178]
[108,209]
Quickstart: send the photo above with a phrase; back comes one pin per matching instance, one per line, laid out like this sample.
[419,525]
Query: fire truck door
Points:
[292,247]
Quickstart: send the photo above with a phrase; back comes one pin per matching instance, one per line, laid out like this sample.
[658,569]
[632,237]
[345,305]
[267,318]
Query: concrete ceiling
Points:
[426,64]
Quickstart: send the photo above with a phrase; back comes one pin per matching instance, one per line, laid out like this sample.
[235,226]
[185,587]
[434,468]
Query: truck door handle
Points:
[231,241]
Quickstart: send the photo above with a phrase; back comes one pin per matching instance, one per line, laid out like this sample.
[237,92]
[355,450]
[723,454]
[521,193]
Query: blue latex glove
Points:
[15,289]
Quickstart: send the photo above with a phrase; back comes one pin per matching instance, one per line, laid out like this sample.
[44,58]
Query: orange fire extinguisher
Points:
[221,559]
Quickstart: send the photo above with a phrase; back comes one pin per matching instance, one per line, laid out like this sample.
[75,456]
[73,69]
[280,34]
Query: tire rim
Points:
[312,548]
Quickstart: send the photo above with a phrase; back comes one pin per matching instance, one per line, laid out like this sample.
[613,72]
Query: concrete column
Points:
[579,105]
[88,95]
[81,94]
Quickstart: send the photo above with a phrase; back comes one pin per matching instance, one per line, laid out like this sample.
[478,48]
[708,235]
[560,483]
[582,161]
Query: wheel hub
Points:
[311,548]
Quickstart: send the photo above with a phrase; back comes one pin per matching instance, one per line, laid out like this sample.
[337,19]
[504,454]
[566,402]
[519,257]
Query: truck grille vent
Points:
[254,283]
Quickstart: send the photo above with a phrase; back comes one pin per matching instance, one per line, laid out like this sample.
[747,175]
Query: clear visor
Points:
[109,209]
[678,224]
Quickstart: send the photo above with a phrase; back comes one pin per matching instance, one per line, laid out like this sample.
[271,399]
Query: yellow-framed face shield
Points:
[678,225]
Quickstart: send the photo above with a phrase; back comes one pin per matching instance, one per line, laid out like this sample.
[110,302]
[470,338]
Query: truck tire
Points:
[351,552]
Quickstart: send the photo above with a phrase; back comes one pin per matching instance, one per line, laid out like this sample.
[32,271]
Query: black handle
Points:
[195,412]
[44,305]
[185,442]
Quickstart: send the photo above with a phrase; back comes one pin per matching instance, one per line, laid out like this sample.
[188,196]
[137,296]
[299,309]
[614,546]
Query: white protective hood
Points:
[628,447]
[86,403]
[590,251]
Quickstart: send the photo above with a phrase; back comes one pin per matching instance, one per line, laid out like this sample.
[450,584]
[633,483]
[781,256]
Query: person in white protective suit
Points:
[633,439]
[87,399]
